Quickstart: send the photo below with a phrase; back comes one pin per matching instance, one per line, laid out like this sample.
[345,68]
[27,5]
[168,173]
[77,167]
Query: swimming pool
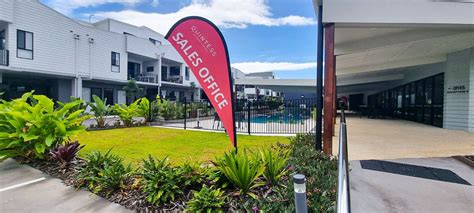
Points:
[287,119]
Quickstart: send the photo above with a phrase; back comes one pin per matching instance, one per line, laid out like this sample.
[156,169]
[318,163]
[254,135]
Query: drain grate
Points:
[413,171]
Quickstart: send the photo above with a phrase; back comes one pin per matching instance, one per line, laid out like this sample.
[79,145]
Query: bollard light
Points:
[299,182]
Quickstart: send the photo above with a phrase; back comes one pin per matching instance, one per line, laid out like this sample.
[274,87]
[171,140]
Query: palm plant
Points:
[132,90]
[101,109]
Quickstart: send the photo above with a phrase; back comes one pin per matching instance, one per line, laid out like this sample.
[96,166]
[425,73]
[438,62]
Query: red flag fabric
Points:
[204,50]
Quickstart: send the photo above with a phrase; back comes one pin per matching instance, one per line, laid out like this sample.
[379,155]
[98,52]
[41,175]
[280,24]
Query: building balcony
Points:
[178,79]
[4,57]
[148,78]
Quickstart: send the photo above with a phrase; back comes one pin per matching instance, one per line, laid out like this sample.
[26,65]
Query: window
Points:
[186,72]
[164,73]
[175,71]
[97,92]
[24,44]
[150,69]
[155,42]
[115,62]
[133,70]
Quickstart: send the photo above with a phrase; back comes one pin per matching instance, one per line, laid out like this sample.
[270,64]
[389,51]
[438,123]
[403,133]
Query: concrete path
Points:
[25,189]
[374,191]
[392,139]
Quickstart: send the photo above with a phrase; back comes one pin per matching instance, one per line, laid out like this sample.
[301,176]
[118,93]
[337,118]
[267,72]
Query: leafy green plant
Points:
[81,106]
[126,113]
[163,183]
[104,172]
[241,170]
[30,125]
[64,154]
[147,109]
[321,178]
[170,110]
[101,109]
[207,199]
[275,163]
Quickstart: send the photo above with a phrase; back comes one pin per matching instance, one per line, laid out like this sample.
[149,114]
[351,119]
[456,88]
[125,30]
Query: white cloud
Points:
[255,67]
[155,3]
[224,13]
[68,6]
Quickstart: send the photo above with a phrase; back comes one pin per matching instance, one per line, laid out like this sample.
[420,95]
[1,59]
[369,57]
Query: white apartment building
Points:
[46,51]
[251,91]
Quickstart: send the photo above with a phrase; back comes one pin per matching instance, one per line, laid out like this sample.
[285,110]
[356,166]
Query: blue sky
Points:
[262,35]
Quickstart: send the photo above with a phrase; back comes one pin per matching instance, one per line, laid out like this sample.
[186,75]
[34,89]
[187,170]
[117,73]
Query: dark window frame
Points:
[152,69]
[18,31]
[116,60]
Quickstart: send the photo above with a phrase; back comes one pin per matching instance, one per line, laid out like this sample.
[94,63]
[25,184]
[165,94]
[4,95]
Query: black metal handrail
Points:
[343,191]
[4,57]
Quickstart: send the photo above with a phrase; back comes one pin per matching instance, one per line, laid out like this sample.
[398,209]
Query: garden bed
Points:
[320,171]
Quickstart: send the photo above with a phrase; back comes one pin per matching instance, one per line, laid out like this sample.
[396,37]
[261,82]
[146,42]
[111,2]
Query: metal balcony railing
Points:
[4,60]
[343,192]
[149,78]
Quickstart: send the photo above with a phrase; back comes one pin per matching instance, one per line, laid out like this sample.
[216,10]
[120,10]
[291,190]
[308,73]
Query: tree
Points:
[132,90]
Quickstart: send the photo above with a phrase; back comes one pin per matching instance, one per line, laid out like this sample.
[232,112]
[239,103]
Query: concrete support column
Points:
[159,72]
[329,88]
[77,87]
[458,95]
[183,70]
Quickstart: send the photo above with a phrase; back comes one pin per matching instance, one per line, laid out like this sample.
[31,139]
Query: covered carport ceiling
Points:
[373,48]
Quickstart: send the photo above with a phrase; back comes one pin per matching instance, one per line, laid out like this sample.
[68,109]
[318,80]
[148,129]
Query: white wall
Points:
[55,49]
[459,107]
[6,10]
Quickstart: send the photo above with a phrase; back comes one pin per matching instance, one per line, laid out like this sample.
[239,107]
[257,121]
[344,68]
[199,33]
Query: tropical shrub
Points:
[275,164]
[144,108]
[126,113]
[67,152]
[321,178]
[207,199]
[164,183]
[241,170]
[104,172]
[100,109]
[132,90]
[30,125]
[81,106]
[170,110]
[161,181]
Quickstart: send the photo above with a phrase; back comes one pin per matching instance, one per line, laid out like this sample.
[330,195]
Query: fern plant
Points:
[242,171]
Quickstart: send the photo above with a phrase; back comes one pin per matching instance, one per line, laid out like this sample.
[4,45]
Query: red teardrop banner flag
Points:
[204,50]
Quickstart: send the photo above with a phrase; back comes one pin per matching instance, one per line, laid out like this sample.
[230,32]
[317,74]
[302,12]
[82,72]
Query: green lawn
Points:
[134,144]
